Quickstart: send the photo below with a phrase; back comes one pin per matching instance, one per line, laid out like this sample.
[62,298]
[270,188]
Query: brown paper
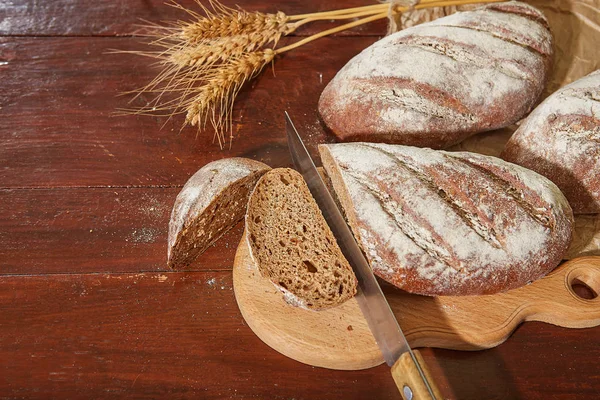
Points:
[586,237]
[575,26]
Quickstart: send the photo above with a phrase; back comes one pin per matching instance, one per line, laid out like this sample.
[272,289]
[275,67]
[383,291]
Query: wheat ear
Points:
[216,97]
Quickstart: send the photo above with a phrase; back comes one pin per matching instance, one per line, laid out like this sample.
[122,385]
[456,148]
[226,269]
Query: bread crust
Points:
[439,223]
[560,139]
[435,84]
[211,202]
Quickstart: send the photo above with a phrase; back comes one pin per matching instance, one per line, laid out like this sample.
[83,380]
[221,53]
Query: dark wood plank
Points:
[58,96]
[181,334]
[104,18]
[148,336]
[66,230]
[539,361]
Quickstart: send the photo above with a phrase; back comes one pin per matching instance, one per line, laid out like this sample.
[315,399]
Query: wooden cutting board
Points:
[339,338]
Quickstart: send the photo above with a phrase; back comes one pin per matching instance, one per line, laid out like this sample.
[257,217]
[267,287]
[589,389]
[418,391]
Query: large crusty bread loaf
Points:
[292,244]
[211,202]
[441,223]
[435,84]
[560,139]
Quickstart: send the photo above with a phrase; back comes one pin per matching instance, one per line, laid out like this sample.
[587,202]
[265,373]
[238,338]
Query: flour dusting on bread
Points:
[437,83]
[211,202]
[434,222]
[560,139]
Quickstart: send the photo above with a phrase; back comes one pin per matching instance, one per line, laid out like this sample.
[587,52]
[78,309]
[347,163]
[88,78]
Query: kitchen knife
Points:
[408,368]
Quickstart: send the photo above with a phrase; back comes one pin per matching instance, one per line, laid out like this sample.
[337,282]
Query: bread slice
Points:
[212,201]
[292,244]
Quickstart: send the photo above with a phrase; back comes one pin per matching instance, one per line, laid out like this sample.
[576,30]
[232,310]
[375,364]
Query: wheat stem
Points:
[335,17]
[422,5]
[330,32]
[444,3]
[371,9]
[374,8]
[441,3]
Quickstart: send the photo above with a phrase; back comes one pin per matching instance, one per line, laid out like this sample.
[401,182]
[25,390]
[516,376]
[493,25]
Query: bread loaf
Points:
[560,139]
[211,202]
[435,84]
[292,244]
[440,223]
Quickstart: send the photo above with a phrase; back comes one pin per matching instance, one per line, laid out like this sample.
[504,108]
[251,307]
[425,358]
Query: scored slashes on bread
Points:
[211,202]
[560,139]
[435,84]
[439,223]
[292,244]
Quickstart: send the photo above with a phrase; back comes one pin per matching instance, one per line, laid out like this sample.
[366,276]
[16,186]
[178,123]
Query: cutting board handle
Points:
[553,299]
[481,322]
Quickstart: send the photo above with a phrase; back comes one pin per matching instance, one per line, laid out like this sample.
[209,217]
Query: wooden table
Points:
[88,308]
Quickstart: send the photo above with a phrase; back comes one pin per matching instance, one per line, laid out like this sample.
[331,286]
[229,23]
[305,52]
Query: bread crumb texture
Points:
[292,244]
[440,223]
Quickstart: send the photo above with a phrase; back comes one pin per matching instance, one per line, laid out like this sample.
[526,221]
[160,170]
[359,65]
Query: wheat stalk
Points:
[206,61]
[216,97]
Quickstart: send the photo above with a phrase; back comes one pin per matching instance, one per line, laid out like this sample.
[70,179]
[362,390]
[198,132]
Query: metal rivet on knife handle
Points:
[408,379]
[407,393]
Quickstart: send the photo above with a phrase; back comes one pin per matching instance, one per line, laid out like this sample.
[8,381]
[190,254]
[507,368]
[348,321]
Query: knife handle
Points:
[409,381]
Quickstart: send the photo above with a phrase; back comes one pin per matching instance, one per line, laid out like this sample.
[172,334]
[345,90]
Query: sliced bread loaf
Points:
[292,244]
[440,223]
[212,201]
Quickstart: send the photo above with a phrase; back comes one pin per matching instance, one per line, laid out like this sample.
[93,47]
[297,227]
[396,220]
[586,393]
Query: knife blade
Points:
[373,304]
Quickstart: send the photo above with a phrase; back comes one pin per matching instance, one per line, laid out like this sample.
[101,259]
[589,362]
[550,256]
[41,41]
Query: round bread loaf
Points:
[440,223]
[435,84]
[560,139]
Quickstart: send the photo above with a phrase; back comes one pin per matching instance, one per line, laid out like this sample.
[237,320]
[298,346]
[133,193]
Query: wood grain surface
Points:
[59,97]
[65,230]
[148,335]
[121,18]
[180,335]
[87,309]
[339,338]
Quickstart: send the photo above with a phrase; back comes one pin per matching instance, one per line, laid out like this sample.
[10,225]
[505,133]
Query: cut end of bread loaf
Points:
[212,201]
[292,244]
